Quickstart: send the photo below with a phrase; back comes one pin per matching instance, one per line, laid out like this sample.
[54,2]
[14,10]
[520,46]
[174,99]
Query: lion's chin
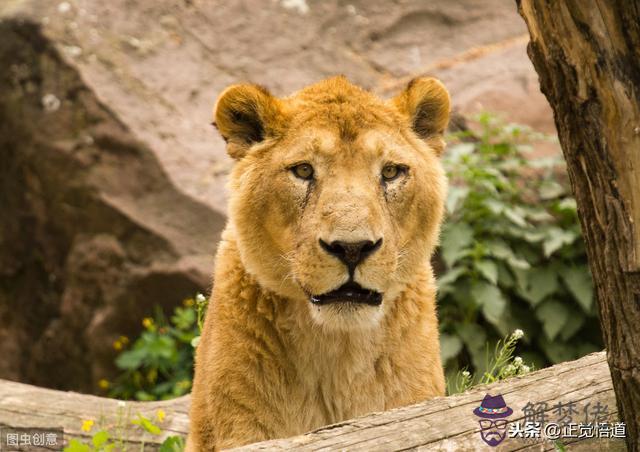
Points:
[346,316]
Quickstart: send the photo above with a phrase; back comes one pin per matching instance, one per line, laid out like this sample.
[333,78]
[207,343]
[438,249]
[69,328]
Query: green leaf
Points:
[490,298]
[539,215]
[488,269]
[144,396]
[458,151]
[475,339]
[578,281]
[455,196]
[172,444]
[557,351]
[516,216]
[557,238]
[501,250]
[554,316]
[473,335]
[147,425]
[455,238]
[568,204]
[131,359]
[550,189]
[574,323]
[451,276]
[586,348]
[536,284]
[77,446]
[533,236]
[505,279]
[100,439]
[450,346]
[495,206]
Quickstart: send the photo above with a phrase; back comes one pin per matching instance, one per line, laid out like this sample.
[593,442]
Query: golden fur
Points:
[270,363]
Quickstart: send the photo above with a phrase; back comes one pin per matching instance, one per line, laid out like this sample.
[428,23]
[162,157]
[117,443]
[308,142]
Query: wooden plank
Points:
[447,423]
[444,423]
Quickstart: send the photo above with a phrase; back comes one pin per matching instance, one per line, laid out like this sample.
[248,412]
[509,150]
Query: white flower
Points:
[517,334]
[517,361]
[525,369]
[200,298]
[466,373]
[510,369]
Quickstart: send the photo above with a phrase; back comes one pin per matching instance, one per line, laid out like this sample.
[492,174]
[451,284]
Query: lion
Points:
[324,299]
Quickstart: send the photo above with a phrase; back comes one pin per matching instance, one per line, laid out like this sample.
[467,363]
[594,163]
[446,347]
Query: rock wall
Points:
[93,234]
[112,179]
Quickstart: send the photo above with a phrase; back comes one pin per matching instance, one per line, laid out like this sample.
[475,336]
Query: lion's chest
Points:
[335,382]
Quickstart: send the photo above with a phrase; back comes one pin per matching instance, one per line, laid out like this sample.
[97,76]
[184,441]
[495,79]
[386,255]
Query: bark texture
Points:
[587,55]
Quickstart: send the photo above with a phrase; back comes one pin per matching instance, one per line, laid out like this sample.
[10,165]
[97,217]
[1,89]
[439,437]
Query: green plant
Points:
[501,364]
[159,364]
[513,254]
[104,440]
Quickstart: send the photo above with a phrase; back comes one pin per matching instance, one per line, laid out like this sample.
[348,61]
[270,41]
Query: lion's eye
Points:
[390,172]
[303,171]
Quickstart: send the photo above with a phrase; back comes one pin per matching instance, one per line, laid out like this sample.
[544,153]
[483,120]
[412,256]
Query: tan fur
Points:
[270,363]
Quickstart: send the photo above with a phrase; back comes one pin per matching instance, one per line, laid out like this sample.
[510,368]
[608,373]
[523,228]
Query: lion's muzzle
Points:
[351,253]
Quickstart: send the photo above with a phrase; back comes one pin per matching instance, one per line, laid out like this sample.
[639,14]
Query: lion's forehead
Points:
[326,142]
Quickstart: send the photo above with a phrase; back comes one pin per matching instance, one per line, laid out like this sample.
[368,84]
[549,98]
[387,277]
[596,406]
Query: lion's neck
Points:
[342,373]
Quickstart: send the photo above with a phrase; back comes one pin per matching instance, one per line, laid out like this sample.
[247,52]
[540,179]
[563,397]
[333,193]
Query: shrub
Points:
[513,254]
[159,364]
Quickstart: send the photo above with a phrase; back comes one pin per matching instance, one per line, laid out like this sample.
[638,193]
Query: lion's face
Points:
[337,196]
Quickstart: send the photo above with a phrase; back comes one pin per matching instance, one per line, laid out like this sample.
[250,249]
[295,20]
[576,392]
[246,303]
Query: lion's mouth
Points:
[350,292]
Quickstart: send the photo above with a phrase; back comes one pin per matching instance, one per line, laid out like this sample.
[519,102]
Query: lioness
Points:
[323,306]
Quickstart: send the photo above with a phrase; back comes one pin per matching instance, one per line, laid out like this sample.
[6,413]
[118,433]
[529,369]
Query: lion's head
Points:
[336,195]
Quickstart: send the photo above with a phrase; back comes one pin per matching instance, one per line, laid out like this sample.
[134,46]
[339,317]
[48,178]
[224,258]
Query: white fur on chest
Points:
[337,378]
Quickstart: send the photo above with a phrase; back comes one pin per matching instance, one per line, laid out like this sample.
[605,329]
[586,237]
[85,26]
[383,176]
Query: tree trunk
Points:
[587,54]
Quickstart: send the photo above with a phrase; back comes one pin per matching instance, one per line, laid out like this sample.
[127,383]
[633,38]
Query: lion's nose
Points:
[351,253]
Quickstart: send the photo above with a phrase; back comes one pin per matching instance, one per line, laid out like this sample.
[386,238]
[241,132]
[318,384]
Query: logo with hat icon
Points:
[493,426]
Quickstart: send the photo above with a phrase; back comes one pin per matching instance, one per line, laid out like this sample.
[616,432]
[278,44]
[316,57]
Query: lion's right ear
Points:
[246,114]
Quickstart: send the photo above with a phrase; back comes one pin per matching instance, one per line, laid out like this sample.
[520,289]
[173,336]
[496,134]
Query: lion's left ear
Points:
[426,104]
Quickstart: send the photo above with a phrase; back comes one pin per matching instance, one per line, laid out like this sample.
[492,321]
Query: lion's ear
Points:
[426,104]
[246,114]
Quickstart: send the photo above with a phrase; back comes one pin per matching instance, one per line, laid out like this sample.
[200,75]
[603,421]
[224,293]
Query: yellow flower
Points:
[124,340]
[188,302]
[147,322]
[117,345]
[103,384]
[86,425]
[160,414]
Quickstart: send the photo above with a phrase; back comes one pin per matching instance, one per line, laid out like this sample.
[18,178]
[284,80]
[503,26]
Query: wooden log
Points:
[444,423]
[447,423]
[32,407]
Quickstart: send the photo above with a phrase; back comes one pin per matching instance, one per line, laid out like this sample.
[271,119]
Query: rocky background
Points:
[112,181]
